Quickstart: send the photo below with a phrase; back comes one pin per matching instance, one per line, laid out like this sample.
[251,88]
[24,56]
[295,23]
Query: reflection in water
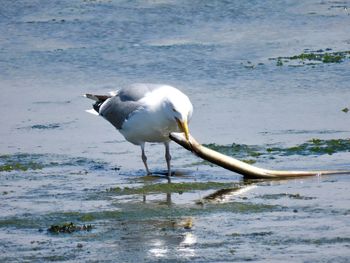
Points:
[186,248]
[226,195]
[168,195]
[159,249]
[167,201]
[182,246]
[222,195]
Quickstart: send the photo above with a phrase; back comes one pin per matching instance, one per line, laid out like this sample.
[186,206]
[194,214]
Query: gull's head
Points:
[179,109]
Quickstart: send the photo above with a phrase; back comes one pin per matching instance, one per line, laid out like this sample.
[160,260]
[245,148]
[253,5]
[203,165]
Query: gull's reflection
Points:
[159,249]
[186,247]
[177,235]
[168,199]
[180,245]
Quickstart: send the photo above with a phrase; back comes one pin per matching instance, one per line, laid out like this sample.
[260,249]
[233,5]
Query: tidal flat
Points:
[269,82]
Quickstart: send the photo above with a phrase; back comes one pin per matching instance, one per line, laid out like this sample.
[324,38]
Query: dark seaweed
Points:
[314,57]
[68,228]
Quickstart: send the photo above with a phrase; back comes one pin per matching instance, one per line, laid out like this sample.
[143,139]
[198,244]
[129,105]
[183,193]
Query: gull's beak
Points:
[184,128]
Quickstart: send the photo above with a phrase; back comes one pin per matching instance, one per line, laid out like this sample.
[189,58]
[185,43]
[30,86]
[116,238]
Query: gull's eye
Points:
[174,110]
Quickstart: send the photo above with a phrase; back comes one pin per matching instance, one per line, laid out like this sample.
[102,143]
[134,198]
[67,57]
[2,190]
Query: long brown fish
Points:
[232,164]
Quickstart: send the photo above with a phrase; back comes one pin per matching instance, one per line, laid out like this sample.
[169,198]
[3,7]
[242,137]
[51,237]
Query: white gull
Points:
[146,113]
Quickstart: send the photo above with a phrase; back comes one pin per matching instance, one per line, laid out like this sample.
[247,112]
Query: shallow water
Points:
[59,164]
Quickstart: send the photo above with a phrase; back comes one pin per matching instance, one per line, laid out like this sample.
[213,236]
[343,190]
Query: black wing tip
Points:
[99,100]
[97,106]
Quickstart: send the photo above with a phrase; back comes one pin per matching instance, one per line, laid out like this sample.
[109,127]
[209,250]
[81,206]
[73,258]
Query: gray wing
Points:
[118,108]
[137,91]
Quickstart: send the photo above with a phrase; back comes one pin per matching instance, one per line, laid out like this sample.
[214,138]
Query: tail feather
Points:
[99,98]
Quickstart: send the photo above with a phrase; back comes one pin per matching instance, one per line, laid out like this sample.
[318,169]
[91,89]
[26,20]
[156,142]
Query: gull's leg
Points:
[144,158]
[167,157]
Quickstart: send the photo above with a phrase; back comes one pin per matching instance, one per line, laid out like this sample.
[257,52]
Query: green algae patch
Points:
[242,150]
[20,162]
[286,195]
[318,147]
[242,207]
[169,188]
[33,161]
[87,217]
[9,166]
[68,228]
[335,57]
[251,153]
[81,217]
[249,161]
[312,58]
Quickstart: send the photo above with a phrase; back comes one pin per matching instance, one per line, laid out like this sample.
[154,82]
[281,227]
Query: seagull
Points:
[146,113]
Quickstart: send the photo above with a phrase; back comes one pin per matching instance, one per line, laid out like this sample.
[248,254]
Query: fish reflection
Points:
[225,195]
[186,247]
[222,195]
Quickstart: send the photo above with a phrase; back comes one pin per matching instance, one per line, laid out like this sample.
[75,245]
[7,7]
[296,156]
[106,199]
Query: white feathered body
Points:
[153,118]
